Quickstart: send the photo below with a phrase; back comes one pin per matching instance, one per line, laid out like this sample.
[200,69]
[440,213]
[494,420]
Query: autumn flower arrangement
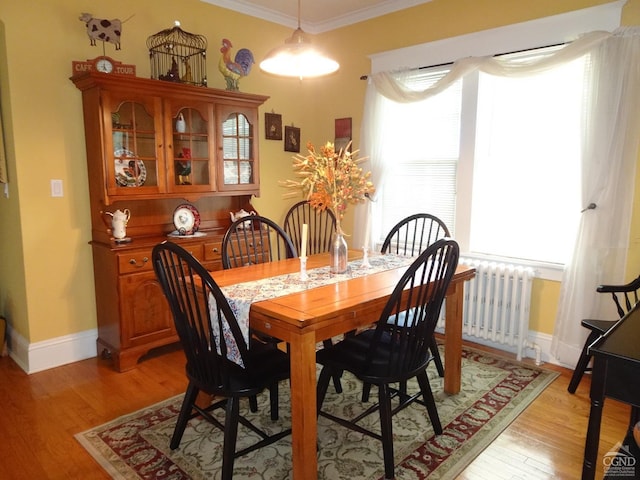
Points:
[330,179]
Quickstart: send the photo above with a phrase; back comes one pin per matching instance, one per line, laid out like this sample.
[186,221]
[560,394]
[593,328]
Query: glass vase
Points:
[338,253]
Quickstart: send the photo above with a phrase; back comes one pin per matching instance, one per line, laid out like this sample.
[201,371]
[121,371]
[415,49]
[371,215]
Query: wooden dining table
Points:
[310,316]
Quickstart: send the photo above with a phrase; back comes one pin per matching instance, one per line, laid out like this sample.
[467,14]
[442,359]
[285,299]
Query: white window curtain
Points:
[371,139]
[611,148]
[610,145]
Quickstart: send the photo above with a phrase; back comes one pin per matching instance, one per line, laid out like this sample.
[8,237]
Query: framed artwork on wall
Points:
[291,139]
[273,126]
[343,134]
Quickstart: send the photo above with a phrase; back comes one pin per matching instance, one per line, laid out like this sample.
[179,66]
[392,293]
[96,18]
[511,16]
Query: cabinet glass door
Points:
[237,151]
[135,154]
[191,150]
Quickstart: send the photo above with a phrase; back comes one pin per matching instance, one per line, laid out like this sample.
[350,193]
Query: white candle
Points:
[367,228]
[303,243]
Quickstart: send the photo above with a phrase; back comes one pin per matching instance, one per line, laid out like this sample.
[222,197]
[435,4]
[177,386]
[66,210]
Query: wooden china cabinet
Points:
[153,146]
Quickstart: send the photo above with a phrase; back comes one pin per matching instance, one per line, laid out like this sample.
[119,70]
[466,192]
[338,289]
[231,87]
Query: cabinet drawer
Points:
[140,260]
[212,251]
[194,249]
[134,261]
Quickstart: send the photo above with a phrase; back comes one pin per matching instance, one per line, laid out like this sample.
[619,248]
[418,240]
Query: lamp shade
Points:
[298,58]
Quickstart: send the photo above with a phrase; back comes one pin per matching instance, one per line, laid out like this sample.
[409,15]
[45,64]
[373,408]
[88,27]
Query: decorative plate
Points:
[130,171]
[176,234]
[186,219]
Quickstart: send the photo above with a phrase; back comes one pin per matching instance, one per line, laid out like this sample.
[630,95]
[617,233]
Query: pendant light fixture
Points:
[298,58]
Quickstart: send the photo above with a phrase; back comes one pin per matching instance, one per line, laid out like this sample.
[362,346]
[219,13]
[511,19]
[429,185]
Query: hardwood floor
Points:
[547,440]
[41,413]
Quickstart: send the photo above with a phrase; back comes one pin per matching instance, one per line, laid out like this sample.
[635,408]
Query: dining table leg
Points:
[453,338]
[304,425]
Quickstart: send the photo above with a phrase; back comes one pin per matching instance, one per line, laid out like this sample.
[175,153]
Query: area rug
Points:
[494,392]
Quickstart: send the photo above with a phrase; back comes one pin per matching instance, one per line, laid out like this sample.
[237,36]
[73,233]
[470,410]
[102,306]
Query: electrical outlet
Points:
[56,188]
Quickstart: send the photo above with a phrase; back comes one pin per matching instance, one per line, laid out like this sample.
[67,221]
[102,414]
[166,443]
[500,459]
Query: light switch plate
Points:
[56,188]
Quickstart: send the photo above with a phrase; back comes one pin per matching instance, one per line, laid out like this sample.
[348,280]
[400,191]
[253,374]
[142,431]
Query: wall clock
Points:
[102,64]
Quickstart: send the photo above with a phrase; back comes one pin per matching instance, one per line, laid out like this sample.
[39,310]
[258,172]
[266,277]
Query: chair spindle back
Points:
[413,234]
[321,225]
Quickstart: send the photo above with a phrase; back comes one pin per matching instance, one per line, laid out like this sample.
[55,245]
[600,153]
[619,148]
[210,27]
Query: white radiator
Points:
[496,304]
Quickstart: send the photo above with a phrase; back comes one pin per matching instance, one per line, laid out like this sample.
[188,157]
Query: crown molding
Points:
[541,32]
[318,21]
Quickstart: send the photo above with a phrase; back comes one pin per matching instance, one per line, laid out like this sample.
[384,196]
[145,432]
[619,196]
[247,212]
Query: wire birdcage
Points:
[178,56]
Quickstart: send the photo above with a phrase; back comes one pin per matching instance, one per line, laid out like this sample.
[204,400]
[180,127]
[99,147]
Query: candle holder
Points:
[365,258]
[303,269]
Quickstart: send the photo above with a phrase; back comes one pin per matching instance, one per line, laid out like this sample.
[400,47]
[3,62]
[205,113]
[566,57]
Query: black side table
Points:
[616,374]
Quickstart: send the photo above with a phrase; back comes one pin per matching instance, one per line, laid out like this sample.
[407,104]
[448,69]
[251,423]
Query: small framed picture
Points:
[343,134]
[273,126]
[291,139]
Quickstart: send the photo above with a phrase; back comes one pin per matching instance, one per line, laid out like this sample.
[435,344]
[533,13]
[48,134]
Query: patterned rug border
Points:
[466,454]
[456,461]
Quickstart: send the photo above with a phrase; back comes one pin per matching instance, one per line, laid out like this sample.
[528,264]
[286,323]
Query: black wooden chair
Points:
[255,239]
[410,236]
[210,337]
[398,348]
[625,297]
[321,224]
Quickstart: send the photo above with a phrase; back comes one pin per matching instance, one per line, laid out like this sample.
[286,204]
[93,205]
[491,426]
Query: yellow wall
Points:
[46,276]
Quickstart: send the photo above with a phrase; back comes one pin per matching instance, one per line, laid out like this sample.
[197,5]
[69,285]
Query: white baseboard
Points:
[542,341]
[55,352]
[35,357]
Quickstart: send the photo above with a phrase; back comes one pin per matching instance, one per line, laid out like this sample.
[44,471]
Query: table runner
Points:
[240,296]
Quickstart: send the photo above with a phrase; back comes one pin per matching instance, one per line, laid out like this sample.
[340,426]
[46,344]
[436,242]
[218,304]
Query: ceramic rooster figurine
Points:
[234,70]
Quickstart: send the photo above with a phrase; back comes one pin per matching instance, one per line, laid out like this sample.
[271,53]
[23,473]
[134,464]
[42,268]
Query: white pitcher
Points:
[119,221]
[181,125]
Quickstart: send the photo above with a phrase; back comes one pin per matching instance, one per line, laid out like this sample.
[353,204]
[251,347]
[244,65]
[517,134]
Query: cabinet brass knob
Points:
[134,262]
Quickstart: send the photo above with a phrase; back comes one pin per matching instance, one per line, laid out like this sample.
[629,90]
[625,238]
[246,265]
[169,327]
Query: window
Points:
[526,181]
[496,158]
[423,156]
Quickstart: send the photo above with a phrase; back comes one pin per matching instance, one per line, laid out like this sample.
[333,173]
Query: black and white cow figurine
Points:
[100,29]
